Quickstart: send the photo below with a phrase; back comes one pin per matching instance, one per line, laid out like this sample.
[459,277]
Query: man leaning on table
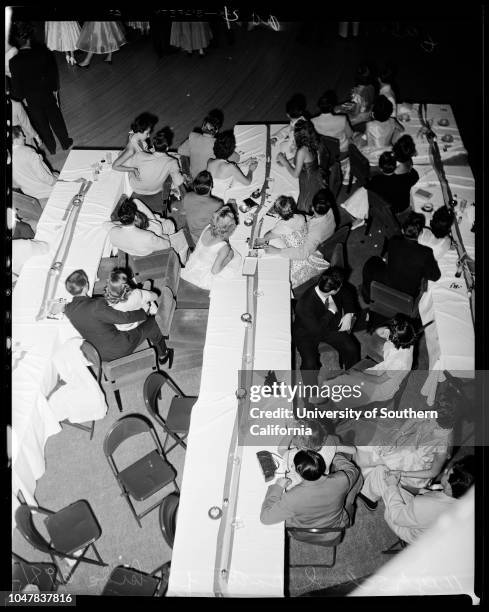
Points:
[320,500]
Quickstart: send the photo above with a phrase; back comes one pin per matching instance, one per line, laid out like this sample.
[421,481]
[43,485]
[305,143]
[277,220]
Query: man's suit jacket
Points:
[95,321]
[408,263]
[312,316]
[314,504]
[34,73]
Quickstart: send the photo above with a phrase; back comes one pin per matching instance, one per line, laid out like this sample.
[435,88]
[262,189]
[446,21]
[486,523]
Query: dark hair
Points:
[328,101]
[387,162]
[306,136]
[143,122]
[323,201]
[211,124]
[441,222]
[315,440]
[118,287]
[127,212]
[285,206]
[21,32]
[401,331]
[382,109]
[17,131]
[141,220]
[462,476]
[413,226]
[309,465]
[162,139]
[386,75]
[76,282]
[448,410]
[363,75]
[331,279]
[404,149]
[296,106]
[224,145]
[203,183]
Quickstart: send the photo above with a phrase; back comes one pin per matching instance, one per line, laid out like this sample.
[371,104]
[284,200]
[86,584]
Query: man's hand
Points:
[392,478]
[272,250]
[283,482]
[346,322]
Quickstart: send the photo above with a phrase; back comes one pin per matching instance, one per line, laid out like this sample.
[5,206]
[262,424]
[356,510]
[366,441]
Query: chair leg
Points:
[350,183]
[395,548]
[368,225]
[118,400]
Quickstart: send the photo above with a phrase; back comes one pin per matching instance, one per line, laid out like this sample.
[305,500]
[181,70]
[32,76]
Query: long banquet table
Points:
[257,562]
[36,341]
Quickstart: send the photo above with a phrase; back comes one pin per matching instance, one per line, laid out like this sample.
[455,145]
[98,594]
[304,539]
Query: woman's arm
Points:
[224,256]
[245,179]
[299,162]
[120,162]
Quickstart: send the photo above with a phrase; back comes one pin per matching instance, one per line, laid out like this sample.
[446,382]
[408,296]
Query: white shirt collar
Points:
[323,298]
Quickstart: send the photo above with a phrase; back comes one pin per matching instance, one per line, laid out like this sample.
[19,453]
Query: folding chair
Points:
[168,517]
[127,582]
[42,575]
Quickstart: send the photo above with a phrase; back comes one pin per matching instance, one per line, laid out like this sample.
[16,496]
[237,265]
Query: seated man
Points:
[408,515]
[320,500]
[199,204]
[200,147]
[29,172]
[139,232]
[324,313]
[152,171]
[96,322]
[329,124]
[408,262]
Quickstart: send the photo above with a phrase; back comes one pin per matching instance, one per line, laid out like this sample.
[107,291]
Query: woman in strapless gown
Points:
[213,256]
[141,129]
[306,166]
[382,132]
[225,173]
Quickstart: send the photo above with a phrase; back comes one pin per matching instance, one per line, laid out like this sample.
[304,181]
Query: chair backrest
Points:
[359,165]
[166,310]
[167,183]
[125,581]
[338,256]
[25,524]
[43,575]
[26,204]
[388,301]
[92,355]
[159,265]
[332,146]
[151,390]
[321,536]
[328,246]
[123,429]
[379,209]
[168,517]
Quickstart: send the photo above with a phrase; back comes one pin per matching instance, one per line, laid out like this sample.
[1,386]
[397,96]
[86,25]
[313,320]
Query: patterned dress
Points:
[62,35]
[101,37]
[301,270]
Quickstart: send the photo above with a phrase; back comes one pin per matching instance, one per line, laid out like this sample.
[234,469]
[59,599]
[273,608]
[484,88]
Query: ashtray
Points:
[447,138]
[256,194]
[443,122]
[427,207]
[243,208]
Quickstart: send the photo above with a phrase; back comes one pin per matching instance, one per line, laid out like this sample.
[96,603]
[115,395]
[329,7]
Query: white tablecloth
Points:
[257,566]
[35,342]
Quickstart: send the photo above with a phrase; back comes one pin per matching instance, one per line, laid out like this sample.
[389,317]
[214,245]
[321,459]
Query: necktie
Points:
[331,305]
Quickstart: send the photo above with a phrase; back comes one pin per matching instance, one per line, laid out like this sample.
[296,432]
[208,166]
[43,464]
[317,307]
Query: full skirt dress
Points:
[101,37]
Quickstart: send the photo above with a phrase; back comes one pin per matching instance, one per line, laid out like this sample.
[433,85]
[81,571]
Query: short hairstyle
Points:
[309,465]
[203,183]
[328,101]
[224,145]
[143,122]
[382,109]
[462,476]
[401,331]
[387,162]
[223,222]
[162,139]
[17,131]
[315,440]
[296,106]
[441,222]
[331,279]
[211,124]
[306,136]
[404,149]
[118,287]
[448,409]
[413,226]
[363,75]
[76,282]
[21,32]
[323,201]
[127,211]
[285,206]
[141,220]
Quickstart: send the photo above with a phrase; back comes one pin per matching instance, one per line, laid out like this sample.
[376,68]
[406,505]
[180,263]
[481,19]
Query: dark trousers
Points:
[375,269]
[46,117]
[148,330]
[308,345]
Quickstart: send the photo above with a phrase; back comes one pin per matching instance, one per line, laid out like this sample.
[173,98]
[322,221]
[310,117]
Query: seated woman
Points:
[213,256]
[139,134]
[153,169]
[327,445]
[224,172]
[418,448]
[382,131]
[121,293]
[139,231]
[380,381]
[306,166]
[437,236]
[301,239]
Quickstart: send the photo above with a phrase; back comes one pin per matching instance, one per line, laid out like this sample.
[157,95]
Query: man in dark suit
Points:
[325,314]
[408,263]
[35,80]
[95,321]
[320,500]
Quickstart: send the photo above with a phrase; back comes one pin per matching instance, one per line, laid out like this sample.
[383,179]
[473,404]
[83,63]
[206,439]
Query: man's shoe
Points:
[370,505]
